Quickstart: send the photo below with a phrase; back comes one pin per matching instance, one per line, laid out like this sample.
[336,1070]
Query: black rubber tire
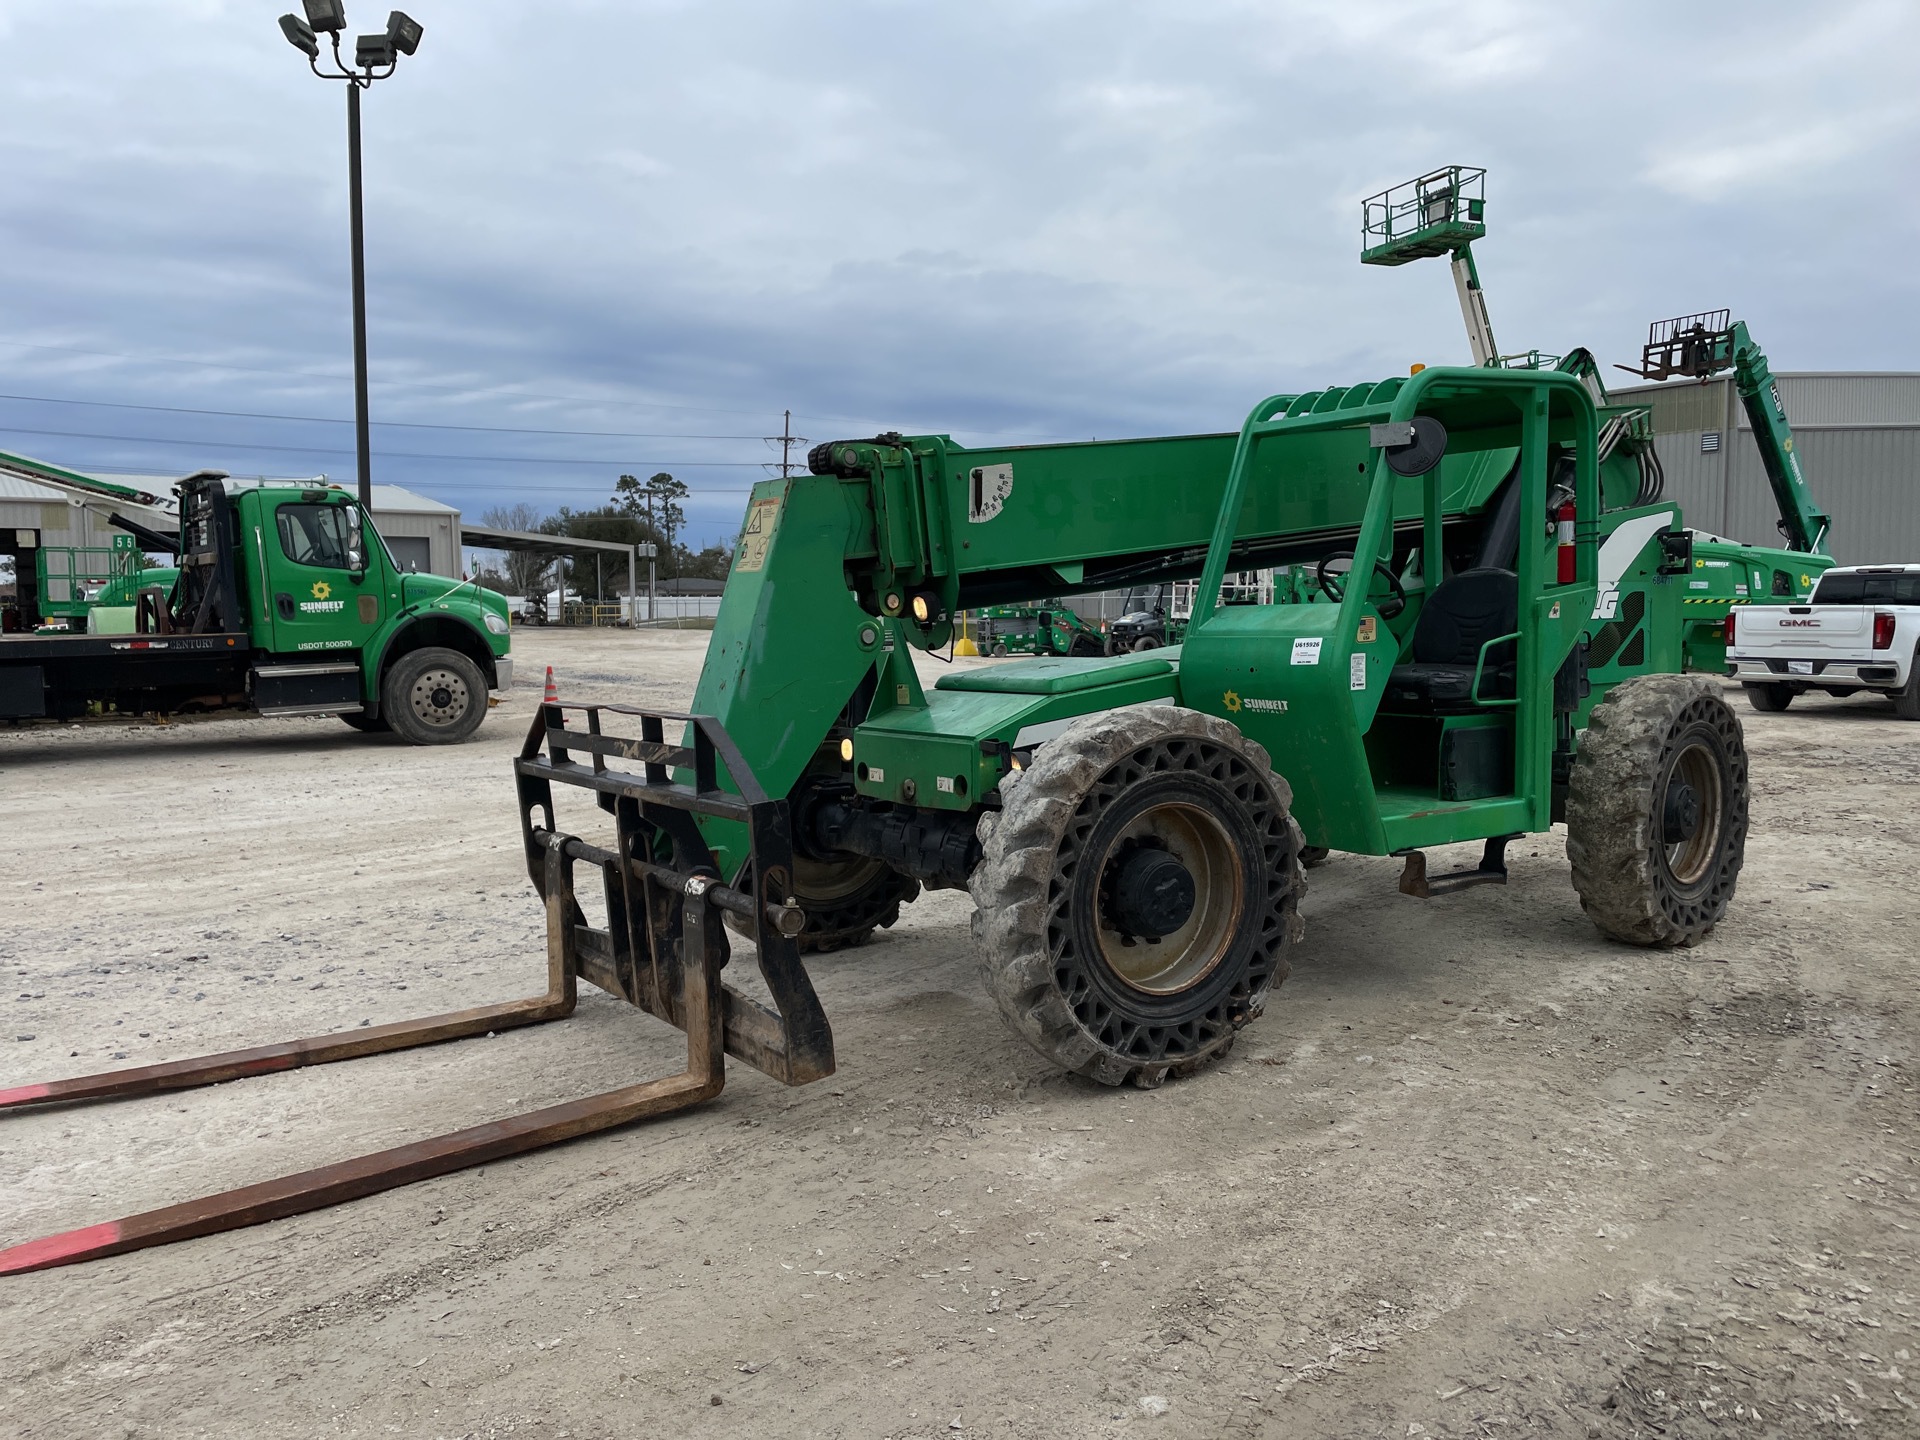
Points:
[366,724]
[840,918]
[1906,700]
[999,650]
[1038,889]
[411,692]
[1645,730]
[1769,699]
[1146,642]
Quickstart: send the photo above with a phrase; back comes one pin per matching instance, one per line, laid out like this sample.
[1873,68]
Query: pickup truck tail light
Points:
[1728,627]
[1883,632]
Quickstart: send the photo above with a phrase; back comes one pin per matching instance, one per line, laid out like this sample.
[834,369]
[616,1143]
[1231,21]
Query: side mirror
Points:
[356,542]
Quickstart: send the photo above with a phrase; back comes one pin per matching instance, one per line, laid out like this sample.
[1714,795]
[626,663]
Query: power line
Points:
[391,424]
[388,454]
[390,384]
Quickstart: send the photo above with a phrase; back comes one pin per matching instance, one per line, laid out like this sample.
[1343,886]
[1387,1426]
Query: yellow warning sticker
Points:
[762,516]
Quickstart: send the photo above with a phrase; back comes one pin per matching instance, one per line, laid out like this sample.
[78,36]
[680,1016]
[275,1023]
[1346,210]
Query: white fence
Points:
[665,609]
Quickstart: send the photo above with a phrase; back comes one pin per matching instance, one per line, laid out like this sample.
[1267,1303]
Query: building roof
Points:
[387,499]
[487,537]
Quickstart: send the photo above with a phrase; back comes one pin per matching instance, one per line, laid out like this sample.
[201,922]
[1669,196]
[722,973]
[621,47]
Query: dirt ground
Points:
[1478,1172]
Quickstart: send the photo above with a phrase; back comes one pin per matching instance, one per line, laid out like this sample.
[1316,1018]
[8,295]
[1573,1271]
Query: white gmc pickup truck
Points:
[1859,631]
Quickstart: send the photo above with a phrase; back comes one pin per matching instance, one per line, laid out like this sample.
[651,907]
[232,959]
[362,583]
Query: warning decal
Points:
[762,516]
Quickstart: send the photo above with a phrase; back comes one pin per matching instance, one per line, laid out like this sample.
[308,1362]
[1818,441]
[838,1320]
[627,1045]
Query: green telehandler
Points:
[1491,643]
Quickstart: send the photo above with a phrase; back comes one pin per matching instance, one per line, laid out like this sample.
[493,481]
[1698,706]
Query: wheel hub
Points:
[439,697]
[1680,817]
[1151,894]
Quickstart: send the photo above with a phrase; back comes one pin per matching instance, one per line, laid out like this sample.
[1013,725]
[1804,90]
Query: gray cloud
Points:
[1004,220]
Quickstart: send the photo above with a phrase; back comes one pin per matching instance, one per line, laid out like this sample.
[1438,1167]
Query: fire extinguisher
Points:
[1563,537]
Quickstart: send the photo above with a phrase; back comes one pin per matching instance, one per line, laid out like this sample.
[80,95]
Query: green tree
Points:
[655,502]
[596,574]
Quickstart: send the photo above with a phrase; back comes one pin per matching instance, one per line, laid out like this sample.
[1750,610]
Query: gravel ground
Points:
[1478,1172]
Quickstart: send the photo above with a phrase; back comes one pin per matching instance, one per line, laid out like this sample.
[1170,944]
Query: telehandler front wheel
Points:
[847,900]
[1139,893]
[1657,810]
[433,696]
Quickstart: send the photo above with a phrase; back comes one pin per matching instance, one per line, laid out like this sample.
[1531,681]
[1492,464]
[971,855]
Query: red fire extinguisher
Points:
[1563,536]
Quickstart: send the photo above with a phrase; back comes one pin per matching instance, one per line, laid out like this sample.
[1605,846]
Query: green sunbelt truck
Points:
[284,601]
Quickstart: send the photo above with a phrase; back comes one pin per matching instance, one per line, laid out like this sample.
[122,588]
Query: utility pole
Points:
[786,440]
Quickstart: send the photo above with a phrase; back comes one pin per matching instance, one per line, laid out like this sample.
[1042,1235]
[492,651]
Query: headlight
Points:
[496,623]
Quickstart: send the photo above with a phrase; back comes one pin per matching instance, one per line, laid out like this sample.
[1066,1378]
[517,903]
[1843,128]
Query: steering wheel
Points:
[1396,599]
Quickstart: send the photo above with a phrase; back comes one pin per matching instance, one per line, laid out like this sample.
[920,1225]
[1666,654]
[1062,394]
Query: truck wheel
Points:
[1906,700]
[1769,699]
[1657,810]
[1138,894]
[1146,642]
[433,696]
[366,724]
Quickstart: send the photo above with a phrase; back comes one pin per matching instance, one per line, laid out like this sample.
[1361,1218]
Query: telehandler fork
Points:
[662,951]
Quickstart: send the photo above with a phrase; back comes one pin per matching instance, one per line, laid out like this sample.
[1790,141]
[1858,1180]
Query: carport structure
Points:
[560,547]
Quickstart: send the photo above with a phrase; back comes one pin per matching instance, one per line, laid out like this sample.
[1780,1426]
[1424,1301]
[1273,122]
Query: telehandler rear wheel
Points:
[1139,893]
[1657,810]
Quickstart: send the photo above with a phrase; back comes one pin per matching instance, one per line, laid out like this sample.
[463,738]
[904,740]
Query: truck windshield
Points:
[314,534]
[1858,589]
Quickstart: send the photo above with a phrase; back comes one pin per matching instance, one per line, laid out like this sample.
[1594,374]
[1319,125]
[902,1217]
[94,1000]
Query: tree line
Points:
[639,512]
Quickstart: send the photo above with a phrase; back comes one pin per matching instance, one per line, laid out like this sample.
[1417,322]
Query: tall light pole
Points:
[375,57]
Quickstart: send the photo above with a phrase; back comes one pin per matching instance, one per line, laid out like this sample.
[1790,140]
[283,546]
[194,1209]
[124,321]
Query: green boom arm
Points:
[1702,346]
[1806,527]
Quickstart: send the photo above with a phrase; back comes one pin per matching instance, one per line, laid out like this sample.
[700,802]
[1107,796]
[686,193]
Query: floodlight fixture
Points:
[300,35]
[327,16]
[404,31]
[373,52]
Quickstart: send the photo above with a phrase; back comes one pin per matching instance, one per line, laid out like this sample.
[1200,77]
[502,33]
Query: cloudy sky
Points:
[657,225]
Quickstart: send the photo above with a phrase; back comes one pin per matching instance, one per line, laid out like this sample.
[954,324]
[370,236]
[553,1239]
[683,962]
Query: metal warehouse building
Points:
[1858,437]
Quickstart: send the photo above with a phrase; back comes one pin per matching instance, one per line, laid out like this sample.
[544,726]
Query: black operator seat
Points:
[1468,610]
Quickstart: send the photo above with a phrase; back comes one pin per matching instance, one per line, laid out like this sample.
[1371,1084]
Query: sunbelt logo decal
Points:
[322,603]
[1235,703]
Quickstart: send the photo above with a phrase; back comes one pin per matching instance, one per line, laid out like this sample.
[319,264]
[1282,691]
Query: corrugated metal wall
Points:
[1858,437]
[440,531]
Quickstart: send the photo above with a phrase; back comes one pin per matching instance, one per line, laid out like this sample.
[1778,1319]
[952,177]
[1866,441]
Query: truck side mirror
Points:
[356,542]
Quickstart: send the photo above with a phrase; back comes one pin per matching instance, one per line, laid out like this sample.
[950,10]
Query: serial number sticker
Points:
[762,516]
[876,775]
[944,784]
[1800,667]
[1357,671]
[1306,650]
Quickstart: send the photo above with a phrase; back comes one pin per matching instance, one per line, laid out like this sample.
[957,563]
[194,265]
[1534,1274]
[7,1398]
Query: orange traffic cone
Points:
[552,697]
